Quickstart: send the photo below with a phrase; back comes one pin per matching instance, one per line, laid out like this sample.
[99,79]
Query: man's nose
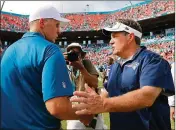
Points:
[111,42]
[59,30]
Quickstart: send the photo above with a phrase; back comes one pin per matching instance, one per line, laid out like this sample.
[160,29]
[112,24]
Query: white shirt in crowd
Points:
[172,98]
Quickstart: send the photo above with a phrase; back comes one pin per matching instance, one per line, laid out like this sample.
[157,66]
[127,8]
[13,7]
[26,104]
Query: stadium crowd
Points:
[14,23]
[161,45]
[144,11]
[98,53]
[96,20]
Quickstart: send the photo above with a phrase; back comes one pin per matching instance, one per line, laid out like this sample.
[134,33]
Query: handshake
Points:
[88,105]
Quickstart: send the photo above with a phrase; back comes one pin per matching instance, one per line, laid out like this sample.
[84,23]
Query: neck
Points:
[33,29]
[130,52]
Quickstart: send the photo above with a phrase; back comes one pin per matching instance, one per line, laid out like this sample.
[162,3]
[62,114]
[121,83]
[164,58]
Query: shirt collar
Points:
[32,34]
[138,52]
[122,61]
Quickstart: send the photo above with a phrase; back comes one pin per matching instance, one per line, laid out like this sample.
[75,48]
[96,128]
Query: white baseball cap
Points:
[77,45]
[118,27]
[46,11]
[74,44]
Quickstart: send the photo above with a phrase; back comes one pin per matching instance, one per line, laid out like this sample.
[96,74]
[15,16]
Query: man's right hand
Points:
[172,113]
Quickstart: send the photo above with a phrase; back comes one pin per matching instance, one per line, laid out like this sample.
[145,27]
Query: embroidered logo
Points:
[63,84]
[133,65]
[126,28]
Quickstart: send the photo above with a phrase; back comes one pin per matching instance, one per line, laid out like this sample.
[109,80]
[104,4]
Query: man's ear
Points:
[41,23]
[131,36]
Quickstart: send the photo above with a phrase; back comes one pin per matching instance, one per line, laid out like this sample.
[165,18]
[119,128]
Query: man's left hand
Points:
[89,102]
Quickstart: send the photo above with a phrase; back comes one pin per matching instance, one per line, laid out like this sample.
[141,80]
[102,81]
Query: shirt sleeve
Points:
[156,72]
[55,78]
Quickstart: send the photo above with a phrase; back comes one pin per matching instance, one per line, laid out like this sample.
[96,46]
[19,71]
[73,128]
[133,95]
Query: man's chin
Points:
[117,53]
[53,41]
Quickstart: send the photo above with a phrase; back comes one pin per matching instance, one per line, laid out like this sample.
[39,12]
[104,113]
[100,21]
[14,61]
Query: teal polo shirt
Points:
[33,70]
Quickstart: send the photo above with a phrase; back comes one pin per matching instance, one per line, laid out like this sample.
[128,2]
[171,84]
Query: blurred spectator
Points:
[108,68]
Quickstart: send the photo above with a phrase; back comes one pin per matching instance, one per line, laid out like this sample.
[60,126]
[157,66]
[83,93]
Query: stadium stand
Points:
[94,21]
[163,46]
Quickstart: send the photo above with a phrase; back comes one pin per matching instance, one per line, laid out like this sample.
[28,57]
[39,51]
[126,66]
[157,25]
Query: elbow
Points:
[58,113]
[148,103]
[94,84]
[52,109]
[55,111]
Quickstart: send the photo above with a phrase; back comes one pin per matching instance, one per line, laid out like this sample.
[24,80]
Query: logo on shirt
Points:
[63,84]
[126,28]
[133,65]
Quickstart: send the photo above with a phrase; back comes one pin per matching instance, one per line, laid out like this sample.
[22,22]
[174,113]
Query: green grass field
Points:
[106,120]
[172,125]
[106,115]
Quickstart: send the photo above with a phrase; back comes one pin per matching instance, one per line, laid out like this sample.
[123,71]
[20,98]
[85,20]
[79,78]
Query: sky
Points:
[25,7]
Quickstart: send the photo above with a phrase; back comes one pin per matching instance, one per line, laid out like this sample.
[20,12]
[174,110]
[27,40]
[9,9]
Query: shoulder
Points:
[52,49]
[148,57]
[147,54]
[154,61]
[47,44]
[87,62]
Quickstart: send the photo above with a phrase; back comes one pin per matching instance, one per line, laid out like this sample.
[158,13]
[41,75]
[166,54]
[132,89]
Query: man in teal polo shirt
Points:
[137,87]
[35,86]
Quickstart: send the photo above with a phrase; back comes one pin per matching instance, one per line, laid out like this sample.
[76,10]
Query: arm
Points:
[138,99]
[91,80]
[61,108]
[88,71]
[131,101]
[154,78]
[56,85]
